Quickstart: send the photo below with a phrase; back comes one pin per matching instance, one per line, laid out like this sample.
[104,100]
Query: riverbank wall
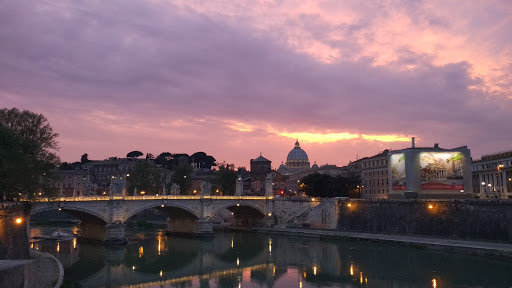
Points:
[485,220]
[451,219]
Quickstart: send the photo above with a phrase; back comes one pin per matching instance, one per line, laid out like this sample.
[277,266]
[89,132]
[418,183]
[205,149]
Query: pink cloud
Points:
[227,77]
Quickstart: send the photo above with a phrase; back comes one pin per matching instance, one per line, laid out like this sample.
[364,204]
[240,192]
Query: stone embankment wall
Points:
[286,209]
[323,216]
[456,219]
[13,235]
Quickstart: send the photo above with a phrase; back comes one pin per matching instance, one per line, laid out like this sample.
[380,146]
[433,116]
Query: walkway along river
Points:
[244,259]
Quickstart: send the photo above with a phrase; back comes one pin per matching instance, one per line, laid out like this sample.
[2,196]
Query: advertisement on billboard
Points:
[397,164]
[441,171]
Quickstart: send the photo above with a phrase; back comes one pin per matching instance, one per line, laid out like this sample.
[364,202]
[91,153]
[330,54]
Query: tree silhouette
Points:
[85,159]
[27,151]
[134,154]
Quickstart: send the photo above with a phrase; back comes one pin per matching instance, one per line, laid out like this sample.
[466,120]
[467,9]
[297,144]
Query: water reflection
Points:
[254,260]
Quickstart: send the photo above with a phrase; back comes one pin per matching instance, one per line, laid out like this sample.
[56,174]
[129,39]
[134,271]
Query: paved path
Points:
[479,245]
[42,270]
[49,269]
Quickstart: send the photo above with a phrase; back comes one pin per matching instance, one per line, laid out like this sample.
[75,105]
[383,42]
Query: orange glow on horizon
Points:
[335,137]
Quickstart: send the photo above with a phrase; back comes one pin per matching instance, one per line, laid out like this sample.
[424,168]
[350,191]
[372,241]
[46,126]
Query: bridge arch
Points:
[80,212]
[166,207]
[237,206]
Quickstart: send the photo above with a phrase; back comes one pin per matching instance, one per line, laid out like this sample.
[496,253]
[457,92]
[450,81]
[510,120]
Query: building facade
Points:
[374,176]
[492,176]
[102,178]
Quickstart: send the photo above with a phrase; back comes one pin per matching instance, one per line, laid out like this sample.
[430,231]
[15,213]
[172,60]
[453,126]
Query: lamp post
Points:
[111,191]
[185,183]
[503,179]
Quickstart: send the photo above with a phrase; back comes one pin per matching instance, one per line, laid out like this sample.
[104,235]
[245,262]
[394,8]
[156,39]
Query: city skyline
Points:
[347,79]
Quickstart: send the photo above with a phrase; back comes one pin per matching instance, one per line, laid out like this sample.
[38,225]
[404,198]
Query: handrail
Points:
[151,197]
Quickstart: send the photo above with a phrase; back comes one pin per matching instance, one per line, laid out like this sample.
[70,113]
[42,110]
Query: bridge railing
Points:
[151,197]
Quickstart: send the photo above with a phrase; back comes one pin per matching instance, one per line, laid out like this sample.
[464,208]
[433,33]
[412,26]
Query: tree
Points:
[134,154]
[178,159]
[163,159]
[202,160]
[27,151]
[66,166]
[182,176]
[323,185]
[85,159]
[149,156]
[145,178]
[226,179]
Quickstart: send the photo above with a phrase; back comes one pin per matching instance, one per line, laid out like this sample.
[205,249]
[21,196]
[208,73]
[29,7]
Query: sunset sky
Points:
[235,78]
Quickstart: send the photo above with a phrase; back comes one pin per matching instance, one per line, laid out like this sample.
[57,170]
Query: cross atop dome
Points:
[297,145]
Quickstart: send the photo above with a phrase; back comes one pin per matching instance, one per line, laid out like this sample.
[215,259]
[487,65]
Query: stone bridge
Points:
[103,218]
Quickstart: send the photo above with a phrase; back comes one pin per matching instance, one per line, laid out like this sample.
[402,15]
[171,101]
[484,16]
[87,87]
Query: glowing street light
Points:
[18,220]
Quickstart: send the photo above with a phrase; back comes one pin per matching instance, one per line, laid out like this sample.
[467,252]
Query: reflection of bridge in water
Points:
[179,259]
[268,261]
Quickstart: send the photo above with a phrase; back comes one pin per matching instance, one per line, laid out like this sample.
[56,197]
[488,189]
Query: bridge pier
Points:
[190,227]
[111,234]
[115,234]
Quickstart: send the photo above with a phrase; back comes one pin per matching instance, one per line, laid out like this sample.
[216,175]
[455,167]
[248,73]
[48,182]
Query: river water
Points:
[153,259]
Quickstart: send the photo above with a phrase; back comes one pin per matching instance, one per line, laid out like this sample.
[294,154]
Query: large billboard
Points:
[441,171]
[397,164]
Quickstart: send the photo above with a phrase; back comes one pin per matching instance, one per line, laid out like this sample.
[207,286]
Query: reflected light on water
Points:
[74,243]
[274,271]
[161,273]
[159,245]
[434,283]
[58,247]
[300,284]
[31,245]
[361,277]
[231,242]
[351,270]
[314,270]
[237,261]
[141,251]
